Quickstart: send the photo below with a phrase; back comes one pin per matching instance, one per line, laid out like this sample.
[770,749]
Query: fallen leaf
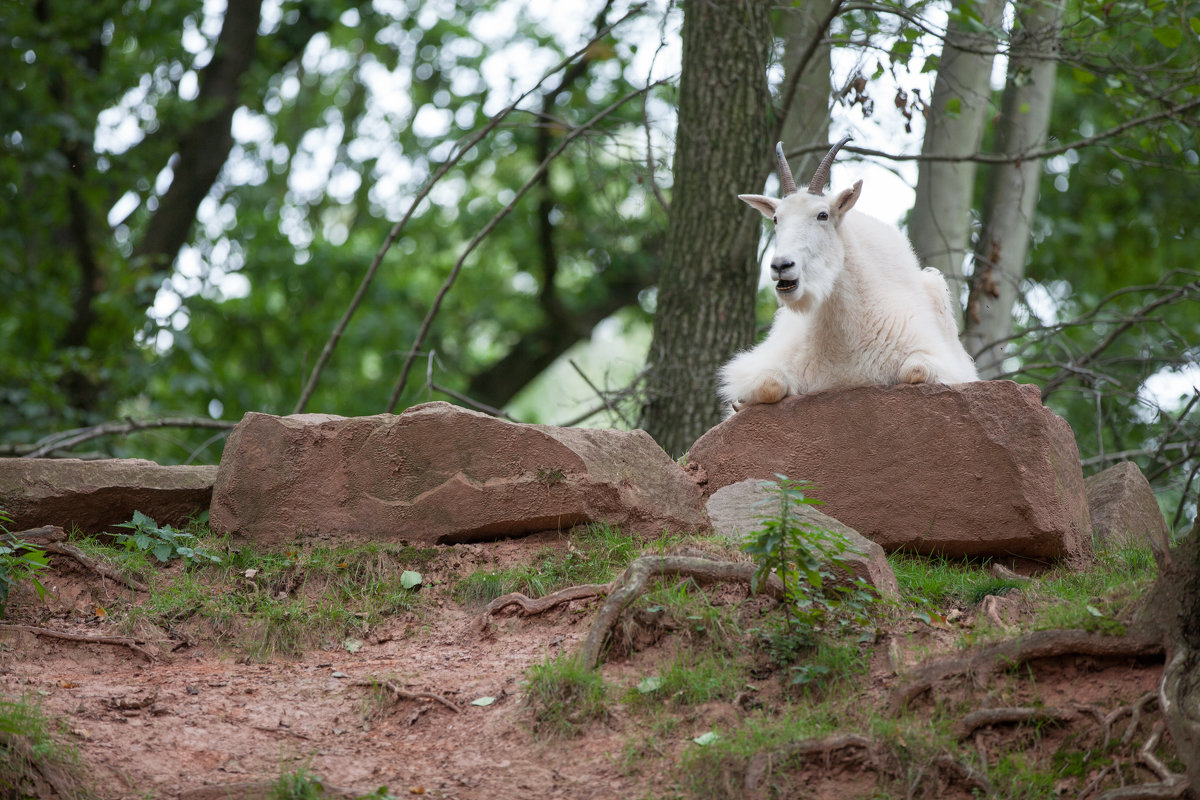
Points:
[409,579]
[705,739]
[483,701]
[650,684]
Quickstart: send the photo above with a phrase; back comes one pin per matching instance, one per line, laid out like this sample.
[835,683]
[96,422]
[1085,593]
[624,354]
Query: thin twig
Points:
[488,228]
[611,408]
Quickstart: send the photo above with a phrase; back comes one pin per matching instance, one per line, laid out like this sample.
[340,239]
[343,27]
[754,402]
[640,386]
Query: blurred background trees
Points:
[191,199]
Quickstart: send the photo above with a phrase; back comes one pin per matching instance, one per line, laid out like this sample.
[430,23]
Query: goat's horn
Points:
[787,182]
[821,176]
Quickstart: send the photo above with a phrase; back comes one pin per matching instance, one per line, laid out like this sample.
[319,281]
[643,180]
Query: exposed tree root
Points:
[869,752]
[403,694]
[632,583]
[53,539]
[116,641]
[540,605]
[999,716]
[1013,652]
[1170,784]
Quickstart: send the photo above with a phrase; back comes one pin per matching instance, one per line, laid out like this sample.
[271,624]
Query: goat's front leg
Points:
[767,388]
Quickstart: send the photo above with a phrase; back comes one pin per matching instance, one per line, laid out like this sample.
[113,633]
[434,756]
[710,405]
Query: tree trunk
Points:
[706,289]
[806,125]
[940,224]
[1172,609]
[1013,190]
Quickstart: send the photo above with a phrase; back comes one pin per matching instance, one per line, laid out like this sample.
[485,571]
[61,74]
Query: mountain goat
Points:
[855,306]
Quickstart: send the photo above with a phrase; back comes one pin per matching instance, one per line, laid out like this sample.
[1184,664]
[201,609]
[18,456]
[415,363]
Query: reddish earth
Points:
[198,723]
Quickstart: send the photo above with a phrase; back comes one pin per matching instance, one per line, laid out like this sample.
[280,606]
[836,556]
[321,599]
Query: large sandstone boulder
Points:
[440,474]
[967,470]
[737,510]
[1124,510]
[95,495]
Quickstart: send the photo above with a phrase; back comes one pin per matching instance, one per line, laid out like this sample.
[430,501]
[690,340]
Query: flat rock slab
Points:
[95,495]
[1124,510]
[737,510]
[974,469]
[441,474]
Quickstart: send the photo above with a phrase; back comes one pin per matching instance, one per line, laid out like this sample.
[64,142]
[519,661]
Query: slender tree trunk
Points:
[1013,189]
[706,289]
[806,125]
[940,224]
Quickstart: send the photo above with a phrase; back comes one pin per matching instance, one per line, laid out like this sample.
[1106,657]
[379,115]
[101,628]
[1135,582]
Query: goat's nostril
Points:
[782,263]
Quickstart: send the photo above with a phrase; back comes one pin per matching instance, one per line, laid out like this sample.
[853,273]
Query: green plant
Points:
[164,542]
[19,561]
[564,696]
[803,556]
[31,751]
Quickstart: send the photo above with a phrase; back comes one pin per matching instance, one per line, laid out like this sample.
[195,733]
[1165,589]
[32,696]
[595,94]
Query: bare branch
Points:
[68,439]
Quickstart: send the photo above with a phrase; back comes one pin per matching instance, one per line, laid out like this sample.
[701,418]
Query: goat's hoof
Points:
[738,405]
[771,391]
[916,374]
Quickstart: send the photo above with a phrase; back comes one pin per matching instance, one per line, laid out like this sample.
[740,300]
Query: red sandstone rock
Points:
[95,495]
[1123,508]
[441,474]
[737,510]
[966,470]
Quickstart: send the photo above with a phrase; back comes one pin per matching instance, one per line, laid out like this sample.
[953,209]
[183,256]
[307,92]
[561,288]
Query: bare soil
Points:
[196,722]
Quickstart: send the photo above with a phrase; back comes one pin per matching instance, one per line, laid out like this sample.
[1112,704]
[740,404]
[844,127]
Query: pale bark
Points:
[806,124]
[940,223]
[706,289]
[1013,189]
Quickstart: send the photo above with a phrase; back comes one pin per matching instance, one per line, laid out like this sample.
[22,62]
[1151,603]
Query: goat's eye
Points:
[824,215]
[774,220]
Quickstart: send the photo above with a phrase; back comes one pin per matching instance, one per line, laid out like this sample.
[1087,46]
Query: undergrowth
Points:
[263,603]
[35,759]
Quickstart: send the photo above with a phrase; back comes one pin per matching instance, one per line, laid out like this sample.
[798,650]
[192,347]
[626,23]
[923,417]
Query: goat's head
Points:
[808,245]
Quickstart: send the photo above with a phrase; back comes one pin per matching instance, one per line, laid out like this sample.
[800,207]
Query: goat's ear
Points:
[846,200]
[765,205]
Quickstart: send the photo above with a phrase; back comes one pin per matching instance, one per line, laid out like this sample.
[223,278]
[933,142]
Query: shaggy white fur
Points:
[856,307]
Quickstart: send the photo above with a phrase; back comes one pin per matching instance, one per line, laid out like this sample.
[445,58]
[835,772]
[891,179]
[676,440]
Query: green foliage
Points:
[19,561]
[564,697]
[803,556]
[693,677]
[164,542]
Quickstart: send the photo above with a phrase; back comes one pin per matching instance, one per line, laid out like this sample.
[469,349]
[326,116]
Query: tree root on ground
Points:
[868,752]
[632,583]
[1013,652]
[116,641]
[53,539]
[403,694]
[628,587]
[987,717]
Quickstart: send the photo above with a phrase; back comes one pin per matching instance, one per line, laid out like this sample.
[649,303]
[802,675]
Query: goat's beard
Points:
[798,299]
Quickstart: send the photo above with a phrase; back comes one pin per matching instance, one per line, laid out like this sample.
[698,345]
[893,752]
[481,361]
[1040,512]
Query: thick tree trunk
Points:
[1013,189]
[1172,610]
[940,224]
[706,289]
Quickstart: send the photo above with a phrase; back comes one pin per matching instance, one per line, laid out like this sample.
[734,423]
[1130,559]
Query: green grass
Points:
[564,697]
[31,751]
[692,678]
[266,603]
[595,555]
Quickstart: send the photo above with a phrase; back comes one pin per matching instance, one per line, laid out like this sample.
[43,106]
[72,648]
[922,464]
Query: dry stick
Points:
[68,439]
[628,390]
[446,166]
[404,694]
[632,583]
[533,180]
[540,605]
[116,641]
[1012,652]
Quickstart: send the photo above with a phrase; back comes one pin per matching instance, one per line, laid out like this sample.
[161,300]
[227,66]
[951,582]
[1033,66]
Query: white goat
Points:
[856,307]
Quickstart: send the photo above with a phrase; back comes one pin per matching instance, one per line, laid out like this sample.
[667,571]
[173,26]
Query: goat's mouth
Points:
[786,286]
